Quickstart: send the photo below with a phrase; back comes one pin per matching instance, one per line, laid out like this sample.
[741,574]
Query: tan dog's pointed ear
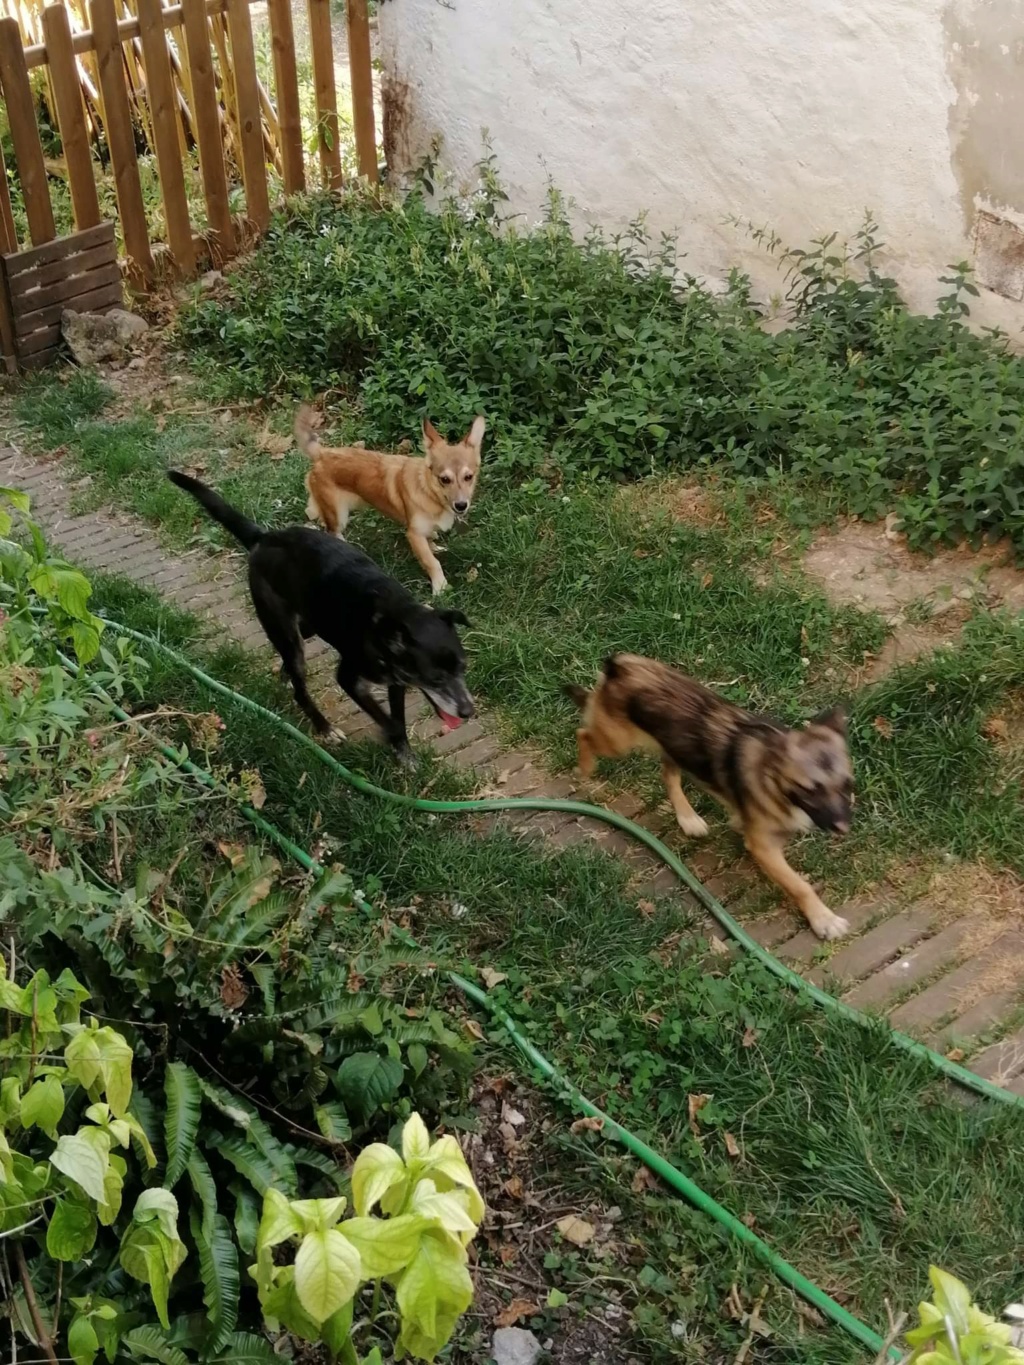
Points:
[835,719]
[431,436]
[475,435]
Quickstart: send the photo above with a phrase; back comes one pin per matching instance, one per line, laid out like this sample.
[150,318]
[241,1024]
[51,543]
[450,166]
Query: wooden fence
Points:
[169,79]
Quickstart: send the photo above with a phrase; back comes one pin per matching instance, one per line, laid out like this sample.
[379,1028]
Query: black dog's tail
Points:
[232,520]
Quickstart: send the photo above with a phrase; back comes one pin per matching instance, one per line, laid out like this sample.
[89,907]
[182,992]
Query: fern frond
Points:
[218,1269]
[181,1118]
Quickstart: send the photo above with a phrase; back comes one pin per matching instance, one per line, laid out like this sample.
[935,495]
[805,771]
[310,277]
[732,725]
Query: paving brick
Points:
[985,1014]
[480,755]
[947,996]
[467,733]
[875,948]
[1002,1060]
[920,962]
[858,912]
[773,929]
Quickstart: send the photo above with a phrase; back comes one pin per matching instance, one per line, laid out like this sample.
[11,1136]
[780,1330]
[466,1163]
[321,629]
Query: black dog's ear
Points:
[834,719]
[454,617]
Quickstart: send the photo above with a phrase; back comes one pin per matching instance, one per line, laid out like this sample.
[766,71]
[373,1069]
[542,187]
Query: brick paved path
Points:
[949,983]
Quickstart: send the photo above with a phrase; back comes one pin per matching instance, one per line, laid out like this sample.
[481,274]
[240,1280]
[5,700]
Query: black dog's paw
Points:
[405,756]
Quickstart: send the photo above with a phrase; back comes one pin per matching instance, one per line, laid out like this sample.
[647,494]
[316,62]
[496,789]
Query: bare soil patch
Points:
[925,599]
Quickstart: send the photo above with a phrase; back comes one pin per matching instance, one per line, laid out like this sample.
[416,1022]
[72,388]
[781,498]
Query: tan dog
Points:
[776,782]
[425,495]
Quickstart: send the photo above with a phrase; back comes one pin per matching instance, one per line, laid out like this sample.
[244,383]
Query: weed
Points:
[598,358]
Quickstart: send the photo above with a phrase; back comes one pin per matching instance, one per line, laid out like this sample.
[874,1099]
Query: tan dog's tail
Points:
[577,694]
[305,432]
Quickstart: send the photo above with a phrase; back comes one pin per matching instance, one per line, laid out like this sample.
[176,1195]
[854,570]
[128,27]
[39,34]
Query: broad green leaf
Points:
[385,1245]
[281,1305]
[72,1231]
[17,497]
[446,1165]
[99,1057]
[85,636]
[141,1137]
[73,592]
[336,1330]
[181,1118]
[218,1269]
[415,1139]
[43,1105]
[10,1099]
[158,1206]
[279,1220]
[76,1157]
[83,1343]
[366,1081]
[333,1122]
[449,1209]
[431,1294]
[326,1273]
[149,1343]
[418,1058]
[317,1215]
[952,1297]
[378,1168]
[247,1216]
[144,1256]
[113,1184]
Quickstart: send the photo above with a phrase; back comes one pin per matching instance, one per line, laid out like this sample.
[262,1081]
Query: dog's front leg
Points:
[420,547]
[585,752]
[398,735]
[686,817]
[769,854]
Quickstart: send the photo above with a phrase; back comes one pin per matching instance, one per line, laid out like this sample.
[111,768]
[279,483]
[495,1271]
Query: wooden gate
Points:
[176,78]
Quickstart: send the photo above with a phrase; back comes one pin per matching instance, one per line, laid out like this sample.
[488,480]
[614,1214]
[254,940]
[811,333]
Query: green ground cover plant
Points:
[169,987]
[600,358]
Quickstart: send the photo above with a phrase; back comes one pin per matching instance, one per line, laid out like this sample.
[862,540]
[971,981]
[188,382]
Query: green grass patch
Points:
[855,1162]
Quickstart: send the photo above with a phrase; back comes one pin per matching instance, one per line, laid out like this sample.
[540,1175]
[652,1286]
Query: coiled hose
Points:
[670,1174]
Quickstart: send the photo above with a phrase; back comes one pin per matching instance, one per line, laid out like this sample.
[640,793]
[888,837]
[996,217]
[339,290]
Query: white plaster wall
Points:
[798,114]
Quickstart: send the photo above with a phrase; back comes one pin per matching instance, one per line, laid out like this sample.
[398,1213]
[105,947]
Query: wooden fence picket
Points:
[164,114]
[286,87]
[74,133]
[360,65]
[21,119]
[250,125]
[326,95]
[206,114]
[117,123]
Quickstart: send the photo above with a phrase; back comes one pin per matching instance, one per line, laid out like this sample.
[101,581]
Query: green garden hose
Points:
[957,1073]
[671,1175]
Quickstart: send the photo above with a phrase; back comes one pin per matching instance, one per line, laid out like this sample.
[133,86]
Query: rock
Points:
[515,1346]
[210,280]
[92,337]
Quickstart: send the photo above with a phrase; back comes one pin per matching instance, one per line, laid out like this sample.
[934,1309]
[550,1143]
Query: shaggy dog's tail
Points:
[305,432]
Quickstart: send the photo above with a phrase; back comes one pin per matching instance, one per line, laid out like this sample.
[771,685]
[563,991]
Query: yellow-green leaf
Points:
[43,1105]
[327,1273]
[378,1168]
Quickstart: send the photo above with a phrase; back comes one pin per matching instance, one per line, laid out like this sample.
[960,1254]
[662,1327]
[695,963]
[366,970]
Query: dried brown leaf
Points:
[883,726]
[587,1125]
[491,978]
[515,1312]
[646,908]
[694,1104]
[575,1230]
[732,1146]
[749,1037]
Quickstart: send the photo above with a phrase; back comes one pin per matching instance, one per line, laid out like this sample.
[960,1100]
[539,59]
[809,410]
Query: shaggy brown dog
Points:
[425,495]
[776,782]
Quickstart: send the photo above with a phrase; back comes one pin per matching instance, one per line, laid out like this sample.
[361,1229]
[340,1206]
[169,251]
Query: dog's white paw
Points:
[335,735]
[694,826]
[828,925]
[438,585]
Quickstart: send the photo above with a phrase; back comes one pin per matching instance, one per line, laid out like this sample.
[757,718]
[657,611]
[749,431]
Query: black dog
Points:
[305,582]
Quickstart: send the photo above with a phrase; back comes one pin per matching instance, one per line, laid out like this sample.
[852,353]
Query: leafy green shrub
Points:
[269,1019]
[596,358]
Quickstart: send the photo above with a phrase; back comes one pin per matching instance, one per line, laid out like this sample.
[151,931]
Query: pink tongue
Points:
[450,722]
